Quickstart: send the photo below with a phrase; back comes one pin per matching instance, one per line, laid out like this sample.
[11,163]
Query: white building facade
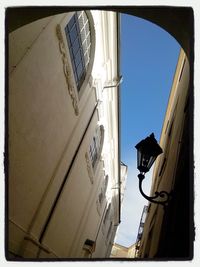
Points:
[64,182]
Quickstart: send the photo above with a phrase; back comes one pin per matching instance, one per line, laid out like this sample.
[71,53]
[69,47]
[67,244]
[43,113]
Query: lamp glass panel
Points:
[142,162]
[151,161]
[147,152]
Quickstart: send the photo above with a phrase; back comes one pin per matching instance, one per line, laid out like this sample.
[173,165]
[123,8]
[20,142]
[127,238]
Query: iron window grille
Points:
[95,147]
[102,193]
[79,41]
[109,231]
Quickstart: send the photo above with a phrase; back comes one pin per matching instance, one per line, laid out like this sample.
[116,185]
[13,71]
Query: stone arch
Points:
[178,21]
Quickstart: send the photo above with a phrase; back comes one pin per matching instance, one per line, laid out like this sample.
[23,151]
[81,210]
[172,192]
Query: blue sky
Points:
[148,62]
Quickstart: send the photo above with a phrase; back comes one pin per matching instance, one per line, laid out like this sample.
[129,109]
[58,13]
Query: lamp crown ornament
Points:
[148,149]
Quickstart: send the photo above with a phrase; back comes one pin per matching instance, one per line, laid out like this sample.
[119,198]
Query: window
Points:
[76,37]
[96,146]
[106,219]
[101,195]
[93,153]
[109,230]
[107,214]
[79,41]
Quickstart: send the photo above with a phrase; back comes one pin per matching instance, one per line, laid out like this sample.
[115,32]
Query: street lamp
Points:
[147,152]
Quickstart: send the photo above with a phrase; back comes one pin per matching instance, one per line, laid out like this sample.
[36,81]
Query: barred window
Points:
[79,41]
[107,214]
[101,195]
[109,230]
[96,145]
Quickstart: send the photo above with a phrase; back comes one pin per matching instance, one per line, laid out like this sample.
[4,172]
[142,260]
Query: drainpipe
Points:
[119,112]
[97,234]
[65,178]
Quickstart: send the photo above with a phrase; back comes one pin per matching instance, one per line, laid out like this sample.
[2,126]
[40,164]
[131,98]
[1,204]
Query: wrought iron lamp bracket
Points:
[162,194]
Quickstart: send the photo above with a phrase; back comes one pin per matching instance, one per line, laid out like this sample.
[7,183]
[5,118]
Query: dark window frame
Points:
[96,146]
[76,37]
